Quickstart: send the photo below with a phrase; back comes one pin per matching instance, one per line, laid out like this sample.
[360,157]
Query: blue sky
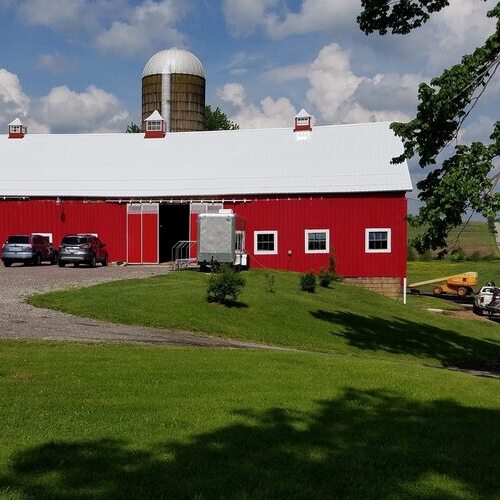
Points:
[75,65]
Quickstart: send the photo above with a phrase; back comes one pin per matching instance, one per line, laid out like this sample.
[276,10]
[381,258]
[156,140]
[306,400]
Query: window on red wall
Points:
[317,240]
[378,240]
[265,242]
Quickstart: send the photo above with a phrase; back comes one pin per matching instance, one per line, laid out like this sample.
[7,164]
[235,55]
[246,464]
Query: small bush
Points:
[458,255]
[224,282]
[332,262]
[325,277]
[270,283]
[488,258]
[308,282]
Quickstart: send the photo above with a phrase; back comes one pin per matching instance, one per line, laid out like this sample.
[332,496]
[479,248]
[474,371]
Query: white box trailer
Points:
[220,239]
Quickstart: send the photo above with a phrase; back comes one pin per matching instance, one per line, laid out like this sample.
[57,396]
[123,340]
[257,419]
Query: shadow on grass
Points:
[400,336]
[365,444]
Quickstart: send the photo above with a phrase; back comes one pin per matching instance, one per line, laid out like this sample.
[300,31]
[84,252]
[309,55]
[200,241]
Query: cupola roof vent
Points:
[17,129]
[155,127]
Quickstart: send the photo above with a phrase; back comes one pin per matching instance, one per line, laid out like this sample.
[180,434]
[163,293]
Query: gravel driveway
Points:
[19,320]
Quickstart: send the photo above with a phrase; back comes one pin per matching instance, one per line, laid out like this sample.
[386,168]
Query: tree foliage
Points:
[216,119]
[133,128]
[465,180]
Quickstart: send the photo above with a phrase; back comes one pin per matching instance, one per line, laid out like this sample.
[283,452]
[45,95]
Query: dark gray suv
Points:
[28,249]
[82,249]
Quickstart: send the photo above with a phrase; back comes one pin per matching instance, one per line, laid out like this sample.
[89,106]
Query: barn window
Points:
[378,240]
[317,240]
[154,126]
[266,242]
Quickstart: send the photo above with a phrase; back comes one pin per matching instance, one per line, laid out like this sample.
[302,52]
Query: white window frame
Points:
[375,230]
[307,232]
[241,234]
[265,252]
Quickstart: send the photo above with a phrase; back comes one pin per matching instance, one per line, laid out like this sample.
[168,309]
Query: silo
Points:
[173,82]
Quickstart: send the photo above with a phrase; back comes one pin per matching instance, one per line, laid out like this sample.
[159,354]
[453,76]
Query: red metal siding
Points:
[149,238]
[346,217]
[134,238]
[47,216]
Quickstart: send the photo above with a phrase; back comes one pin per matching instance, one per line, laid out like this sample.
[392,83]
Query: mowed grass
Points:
[342,319]
[108,421]
[473,237]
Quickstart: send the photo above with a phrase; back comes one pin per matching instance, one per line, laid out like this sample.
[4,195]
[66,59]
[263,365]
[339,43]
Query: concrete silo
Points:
[173,82]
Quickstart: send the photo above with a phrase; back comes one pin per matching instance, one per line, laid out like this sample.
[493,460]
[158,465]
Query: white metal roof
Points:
[335,159]
[174,60]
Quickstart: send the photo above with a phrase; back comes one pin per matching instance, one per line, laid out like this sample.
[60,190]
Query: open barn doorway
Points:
[174,227]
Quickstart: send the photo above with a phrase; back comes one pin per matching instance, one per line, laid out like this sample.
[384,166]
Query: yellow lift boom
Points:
[461,284]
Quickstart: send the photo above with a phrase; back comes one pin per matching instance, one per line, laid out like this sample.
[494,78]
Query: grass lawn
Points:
[475,237]
[108,421]
[342,319]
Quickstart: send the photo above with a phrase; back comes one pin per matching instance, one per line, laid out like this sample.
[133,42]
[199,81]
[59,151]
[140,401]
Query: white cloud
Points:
[270,113]
[149,23]
[13,101]
[339,95]
[244,16]
[285,74]
[55,63]
[62,110]
[313,16]
[94,110]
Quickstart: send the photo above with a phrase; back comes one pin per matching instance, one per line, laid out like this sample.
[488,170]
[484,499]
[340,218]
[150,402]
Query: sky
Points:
[70,66]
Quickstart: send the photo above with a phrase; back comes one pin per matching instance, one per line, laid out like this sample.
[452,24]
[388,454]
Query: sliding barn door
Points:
[142,233]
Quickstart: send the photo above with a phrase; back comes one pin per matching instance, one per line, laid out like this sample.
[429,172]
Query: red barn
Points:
[302,193]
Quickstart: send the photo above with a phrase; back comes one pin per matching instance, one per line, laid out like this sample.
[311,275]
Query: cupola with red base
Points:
[302,121]
[155,127]
[17,129]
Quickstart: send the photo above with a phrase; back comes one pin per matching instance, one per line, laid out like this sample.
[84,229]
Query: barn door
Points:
[142,233]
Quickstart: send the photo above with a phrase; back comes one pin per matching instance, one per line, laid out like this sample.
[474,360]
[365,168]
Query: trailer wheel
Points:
[462,291]
[437,290]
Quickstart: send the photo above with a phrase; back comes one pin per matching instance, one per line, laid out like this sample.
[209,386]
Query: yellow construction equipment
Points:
[460,284]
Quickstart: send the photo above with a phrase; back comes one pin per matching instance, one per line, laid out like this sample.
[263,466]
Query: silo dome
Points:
[174,60]
[173,83]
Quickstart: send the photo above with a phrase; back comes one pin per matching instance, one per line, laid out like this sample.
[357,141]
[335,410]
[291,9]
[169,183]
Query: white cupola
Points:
[155,127]
[17,129]
[302,121]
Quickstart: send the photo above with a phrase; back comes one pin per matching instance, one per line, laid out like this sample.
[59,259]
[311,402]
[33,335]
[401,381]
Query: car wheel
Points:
[53,260]
[104,263]
[437,290]
[7,263]
[462,291]
[60,263]
[92,261]
[37,259]
[76,264]
[477,310]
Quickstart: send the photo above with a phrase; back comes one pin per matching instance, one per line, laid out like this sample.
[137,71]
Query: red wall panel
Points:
[346,217]
[47,216]
[134,238]
[149,238]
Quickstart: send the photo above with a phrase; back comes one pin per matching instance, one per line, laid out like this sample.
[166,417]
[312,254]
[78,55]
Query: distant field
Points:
[475,237]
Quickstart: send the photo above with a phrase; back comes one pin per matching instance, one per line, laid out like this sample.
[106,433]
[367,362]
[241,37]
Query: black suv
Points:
[82,249]
[28,249]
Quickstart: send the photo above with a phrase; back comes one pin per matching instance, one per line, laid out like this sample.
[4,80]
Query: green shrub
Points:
[224,282]
[458,255]
[332,262]
[308,282]
[325,277]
